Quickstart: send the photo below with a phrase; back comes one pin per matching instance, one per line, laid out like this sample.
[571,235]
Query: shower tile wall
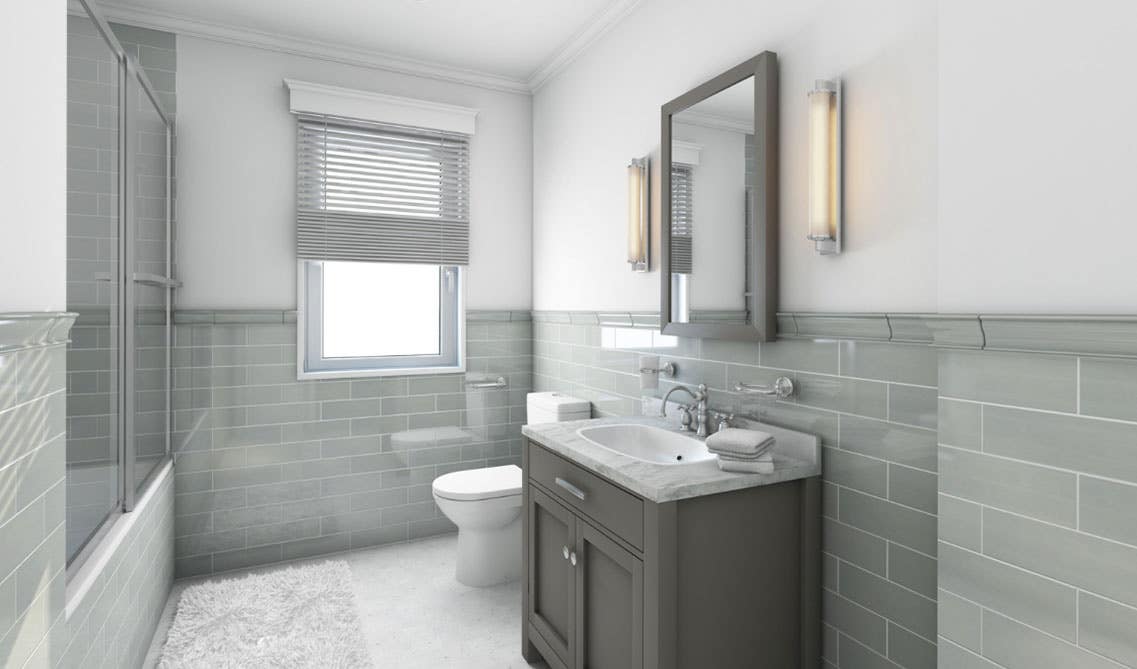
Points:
[1038,509]
[32,423]
[92,257]
[270,468]
[874,405]
[112,624]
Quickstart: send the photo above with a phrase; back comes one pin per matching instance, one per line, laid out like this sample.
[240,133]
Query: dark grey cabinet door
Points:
[552,539]
[609,603]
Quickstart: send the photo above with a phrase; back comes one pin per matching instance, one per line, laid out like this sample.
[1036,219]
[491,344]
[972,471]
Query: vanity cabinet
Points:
[617,581]
[586,590]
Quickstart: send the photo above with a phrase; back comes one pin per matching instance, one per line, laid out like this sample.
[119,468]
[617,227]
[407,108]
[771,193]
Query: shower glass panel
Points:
[118,281]
[94,284]
[148,167]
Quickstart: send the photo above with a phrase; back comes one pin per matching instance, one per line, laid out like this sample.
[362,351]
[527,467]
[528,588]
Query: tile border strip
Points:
[1074,334]
[278,316]
[1088,335]
[21,330]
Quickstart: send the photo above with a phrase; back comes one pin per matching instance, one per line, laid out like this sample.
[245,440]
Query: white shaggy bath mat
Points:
[294,617]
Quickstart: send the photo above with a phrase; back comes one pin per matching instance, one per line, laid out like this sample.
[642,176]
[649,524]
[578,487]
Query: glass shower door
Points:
[94,284]
[118,281]
[149,288]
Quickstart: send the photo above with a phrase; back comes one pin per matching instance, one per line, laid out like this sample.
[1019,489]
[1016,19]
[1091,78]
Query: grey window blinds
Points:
[381,193]
[681,218]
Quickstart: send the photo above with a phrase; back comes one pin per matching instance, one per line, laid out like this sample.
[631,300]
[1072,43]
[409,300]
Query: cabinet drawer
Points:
[614,508]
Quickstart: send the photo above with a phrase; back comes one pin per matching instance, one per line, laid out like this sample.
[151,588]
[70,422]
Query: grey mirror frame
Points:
[763,298]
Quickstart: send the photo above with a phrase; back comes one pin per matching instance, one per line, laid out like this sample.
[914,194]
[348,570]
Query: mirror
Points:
[720,206]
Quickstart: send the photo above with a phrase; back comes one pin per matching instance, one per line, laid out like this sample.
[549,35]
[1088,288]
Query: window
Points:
[682,217]
[374,319]
[382,235]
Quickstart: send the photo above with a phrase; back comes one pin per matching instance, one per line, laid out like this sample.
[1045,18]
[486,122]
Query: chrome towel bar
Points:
[782,388]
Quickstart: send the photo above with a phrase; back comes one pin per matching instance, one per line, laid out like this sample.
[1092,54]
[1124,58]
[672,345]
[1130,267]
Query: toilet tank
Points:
[554,407]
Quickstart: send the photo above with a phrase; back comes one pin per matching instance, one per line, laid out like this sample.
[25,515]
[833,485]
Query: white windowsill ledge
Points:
[366,373]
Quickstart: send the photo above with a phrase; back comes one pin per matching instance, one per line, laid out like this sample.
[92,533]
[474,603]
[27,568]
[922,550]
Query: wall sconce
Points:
[638,214]
[825,187]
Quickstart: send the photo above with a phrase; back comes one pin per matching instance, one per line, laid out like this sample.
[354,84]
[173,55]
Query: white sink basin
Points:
[647,443]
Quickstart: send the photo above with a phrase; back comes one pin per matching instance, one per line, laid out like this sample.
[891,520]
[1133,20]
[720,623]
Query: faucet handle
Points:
[685,417]
[723,420]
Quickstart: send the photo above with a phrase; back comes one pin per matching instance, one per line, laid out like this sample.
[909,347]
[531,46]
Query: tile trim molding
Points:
[1088,335]
[278,316]
[21,330]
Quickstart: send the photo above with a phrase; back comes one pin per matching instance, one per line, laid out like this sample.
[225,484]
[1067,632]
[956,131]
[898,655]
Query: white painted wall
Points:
[236,176]
[1038,156]
[33,172]
[604,109]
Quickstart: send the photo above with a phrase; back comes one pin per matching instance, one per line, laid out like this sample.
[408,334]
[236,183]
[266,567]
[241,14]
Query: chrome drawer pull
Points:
[566,552]
[572,558]
[572,490]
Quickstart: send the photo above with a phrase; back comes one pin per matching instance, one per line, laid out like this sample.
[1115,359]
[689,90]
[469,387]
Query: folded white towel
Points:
[763,464]
[740,443]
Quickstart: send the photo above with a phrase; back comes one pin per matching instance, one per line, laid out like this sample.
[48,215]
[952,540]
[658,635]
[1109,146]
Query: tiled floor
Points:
[414,614]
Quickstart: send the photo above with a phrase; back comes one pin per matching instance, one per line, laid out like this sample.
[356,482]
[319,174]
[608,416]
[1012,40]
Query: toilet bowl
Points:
[485,504]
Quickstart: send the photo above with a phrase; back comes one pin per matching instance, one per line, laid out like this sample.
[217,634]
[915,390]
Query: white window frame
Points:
[310,364]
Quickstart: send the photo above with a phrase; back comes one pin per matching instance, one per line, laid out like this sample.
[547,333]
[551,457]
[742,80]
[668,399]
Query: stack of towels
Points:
[746,451]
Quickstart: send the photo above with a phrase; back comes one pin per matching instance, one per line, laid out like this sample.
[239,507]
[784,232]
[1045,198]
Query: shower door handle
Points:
[155,280]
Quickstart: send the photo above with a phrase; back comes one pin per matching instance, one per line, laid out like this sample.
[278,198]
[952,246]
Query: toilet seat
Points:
[472,485]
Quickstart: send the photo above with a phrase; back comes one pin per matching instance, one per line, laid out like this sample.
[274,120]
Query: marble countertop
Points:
[797,455]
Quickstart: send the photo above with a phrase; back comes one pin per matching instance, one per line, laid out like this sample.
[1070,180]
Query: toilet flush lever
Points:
[572,490]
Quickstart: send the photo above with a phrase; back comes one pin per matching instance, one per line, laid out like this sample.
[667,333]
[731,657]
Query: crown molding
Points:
[596,28]
[715,121]
[298,46]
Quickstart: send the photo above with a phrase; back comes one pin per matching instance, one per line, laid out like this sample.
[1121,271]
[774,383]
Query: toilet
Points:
[485,503]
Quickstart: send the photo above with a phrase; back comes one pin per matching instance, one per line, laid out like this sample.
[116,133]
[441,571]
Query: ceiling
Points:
[509,44]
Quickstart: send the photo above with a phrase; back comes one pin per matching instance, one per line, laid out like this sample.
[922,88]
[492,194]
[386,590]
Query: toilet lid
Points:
[475,484]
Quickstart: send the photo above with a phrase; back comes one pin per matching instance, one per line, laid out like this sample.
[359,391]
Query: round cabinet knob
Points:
[572,558]
[565,551]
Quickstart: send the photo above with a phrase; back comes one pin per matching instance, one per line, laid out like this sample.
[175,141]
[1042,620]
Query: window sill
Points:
[368,373]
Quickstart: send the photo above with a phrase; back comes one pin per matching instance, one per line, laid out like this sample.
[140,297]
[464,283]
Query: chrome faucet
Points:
[700,397]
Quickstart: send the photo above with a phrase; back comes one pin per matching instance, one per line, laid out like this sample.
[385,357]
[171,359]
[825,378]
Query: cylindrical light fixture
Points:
[638,214]
[825,166]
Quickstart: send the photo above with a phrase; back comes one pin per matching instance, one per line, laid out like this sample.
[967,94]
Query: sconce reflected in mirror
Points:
[638,214]
[825,187]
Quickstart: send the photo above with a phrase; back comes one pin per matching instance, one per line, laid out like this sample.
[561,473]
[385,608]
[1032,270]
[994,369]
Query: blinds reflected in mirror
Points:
[381,193]
[682,222]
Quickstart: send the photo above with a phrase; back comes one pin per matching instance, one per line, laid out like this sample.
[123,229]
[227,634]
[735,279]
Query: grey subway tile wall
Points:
[1038,476]
[270,468]
[112,623]
[874,403]
[32,448]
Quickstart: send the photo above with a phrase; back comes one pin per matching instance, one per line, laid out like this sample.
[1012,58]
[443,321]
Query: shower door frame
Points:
[132,79]
[135,76]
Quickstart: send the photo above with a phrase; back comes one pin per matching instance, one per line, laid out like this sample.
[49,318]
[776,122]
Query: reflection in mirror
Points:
[635,339]
[712,169]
